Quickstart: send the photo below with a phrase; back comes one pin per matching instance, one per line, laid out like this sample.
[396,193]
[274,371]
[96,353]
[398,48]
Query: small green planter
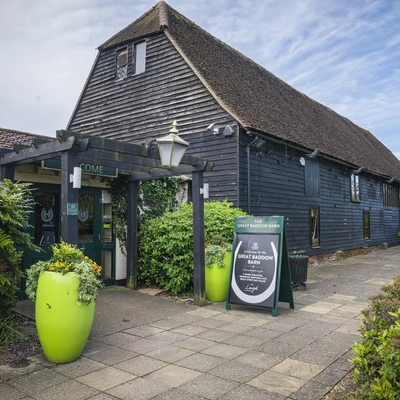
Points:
[62,323]
[217,279]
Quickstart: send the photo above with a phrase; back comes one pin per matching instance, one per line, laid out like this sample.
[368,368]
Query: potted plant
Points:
[218,258]
[64,289]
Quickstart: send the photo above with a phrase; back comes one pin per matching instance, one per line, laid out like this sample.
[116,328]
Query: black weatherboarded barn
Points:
[275,150]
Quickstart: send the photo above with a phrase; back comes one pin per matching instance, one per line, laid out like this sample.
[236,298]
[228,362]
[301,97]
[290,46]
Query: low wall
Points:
[341,254]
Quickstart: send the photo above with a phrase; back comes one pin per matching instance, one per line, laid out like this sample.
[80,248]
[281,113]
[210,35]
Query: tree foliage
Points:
[16,204]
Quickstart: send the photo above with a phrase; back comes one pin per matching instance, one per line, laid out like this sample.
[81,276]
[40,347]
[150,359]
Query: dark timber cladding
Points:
[194,78]
[143,106]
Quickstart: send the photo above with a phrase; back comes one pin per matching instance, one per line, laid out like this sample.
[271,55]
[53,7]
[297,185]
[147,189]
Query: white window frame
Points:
[139,58]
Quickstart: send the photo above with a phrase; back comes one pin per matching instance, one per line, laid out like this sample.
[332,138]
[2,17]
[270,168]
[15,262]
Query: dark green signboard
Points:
[91,169]
[260,273]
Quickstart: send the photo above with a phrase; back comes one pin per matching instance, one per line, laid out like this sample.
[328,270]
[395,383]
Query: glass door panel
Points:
[86,218]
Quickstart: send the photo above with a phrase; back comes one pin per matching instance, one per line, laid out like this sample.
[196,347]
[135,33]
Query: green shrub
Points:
[377,356]
[165,244]
[16,203]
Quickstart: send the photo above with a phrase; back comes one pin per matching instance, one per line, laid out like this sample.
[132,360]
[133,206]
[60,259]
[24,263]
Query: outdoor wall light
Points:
[357,171]
[229,131]
[314,154]
[205,190]
[76,178]
[171,148]
[211,128]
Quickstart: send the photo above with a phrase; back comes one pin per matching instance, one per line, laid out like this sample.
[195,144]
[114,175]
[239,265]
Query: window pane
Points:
[86,219]
[140,57]
[122,64]
[46,218]
[366,220]
[355,187]
[390,195]
[315,239]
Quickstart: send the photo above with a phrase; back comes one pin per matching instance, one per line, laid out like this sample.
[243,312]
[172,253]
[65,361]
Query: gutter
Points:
[333,159]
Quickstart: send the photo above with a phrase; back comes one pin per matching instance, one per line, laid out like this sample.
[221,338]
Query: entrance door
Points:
[95,232]
[89,223]
[93,238]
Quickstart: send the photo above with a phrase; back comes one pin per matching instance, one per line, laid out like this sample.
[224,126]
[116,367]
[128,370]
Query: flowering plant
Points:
[214,254]
[67,258]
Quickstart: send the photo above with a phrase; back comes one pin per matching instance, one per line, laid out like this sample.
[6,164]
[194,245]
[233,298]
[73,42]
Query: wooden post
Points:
[198,240]
[131,236]
[7,172]
[69,199]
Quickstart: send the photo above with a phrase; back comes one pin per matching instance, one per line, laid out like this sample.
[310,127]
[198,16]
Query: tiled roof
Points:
[258,99]
[9,137]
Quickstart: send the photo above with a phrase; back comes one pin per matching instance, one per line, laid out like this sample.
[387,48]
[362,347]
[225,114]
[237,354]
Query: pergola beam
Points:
[163,173]
[138,163]
[32,153]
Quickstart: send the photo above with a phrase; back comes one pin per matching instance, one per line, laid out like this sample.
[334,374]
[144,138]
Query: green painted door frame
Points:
[45,222]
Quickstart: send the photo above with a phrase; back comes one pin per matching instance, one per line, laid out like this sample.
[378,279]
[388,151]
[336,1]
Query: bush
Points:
[16,203]
[165,244]
[377,356]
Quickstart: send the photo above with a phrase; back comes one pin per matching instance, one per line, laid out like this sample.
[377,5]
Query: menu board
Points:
[259,257]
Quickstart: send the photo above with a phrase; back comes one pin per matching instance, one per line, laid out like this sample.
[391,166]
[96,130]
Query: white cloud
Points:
[343,54]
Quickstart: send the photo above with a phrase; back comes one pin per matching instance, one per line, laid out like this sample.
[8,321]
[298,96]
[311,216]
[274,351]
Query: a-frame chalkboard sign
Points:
[260,271]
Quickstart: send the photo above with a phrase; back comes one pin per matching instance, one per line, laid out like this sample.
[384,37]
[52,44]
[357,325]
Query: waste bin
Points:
[298,271]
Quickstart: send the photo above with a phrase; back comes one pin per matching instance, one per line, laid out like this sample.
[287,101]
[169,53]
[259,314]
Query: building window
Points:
[390,195]
[122,64]
[355,187]
[311,178]
[139,58]
[315,232]
[366,224]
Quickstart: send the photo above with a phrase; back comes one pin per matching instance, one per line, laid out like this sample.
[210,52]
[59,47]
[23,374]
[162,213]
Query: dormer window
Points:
[122,63]
[139,57]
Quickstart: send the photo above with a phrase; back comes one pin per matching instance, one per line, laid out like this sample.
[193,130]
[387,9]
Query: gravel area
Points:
[16,353]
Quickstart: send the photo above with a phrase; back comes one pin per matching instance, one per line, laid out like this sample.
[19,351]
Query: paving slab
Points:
[208,386]
[277,383]
[298,369]
[141,365]
[137,389]
[148,347]
[105,378]
[236,371]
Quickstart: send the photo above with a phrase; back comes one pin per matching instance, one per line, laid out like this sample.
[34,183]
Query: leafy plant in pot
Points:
[218,258]
[64,289]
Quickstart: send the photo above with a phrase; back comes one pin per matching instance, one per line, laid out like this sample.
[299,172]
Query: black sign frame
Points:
[260,272]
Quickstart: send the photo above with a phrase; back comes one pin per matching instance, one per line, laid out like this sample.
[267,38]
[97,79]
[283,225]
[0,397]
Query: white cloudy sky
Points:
[342,53]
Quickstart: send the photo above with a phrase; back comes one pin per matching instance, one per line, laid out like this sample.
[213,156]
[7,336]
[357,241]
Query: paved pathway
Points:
[146,347]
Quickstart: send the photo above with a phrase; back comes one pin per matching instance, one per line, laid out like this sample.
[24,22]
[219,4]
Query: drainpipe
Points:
[249,174]
[248,179]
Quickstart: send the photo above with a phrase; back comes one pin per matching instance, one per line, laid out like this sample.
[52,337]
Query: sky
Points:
[344,54]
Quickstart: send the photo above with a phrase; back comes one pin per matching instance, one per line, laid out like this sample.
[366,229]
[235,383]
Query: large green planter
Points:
[217,279]
[62,323]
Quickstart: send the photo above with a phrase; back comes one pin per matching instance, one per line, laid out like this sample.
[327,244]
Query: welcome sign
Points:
[260,273]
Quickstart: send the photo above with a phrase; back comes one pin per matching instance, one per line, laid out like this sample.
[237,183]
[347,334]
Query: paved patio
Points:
[147,347]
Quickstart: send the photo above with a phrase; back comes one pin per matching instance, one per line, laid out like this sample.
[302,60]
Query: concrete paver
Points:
[105,378]
[147,347]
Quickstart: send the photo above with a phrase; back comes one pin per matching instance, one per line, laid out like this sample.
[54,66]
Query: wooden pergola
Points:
[138,163]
